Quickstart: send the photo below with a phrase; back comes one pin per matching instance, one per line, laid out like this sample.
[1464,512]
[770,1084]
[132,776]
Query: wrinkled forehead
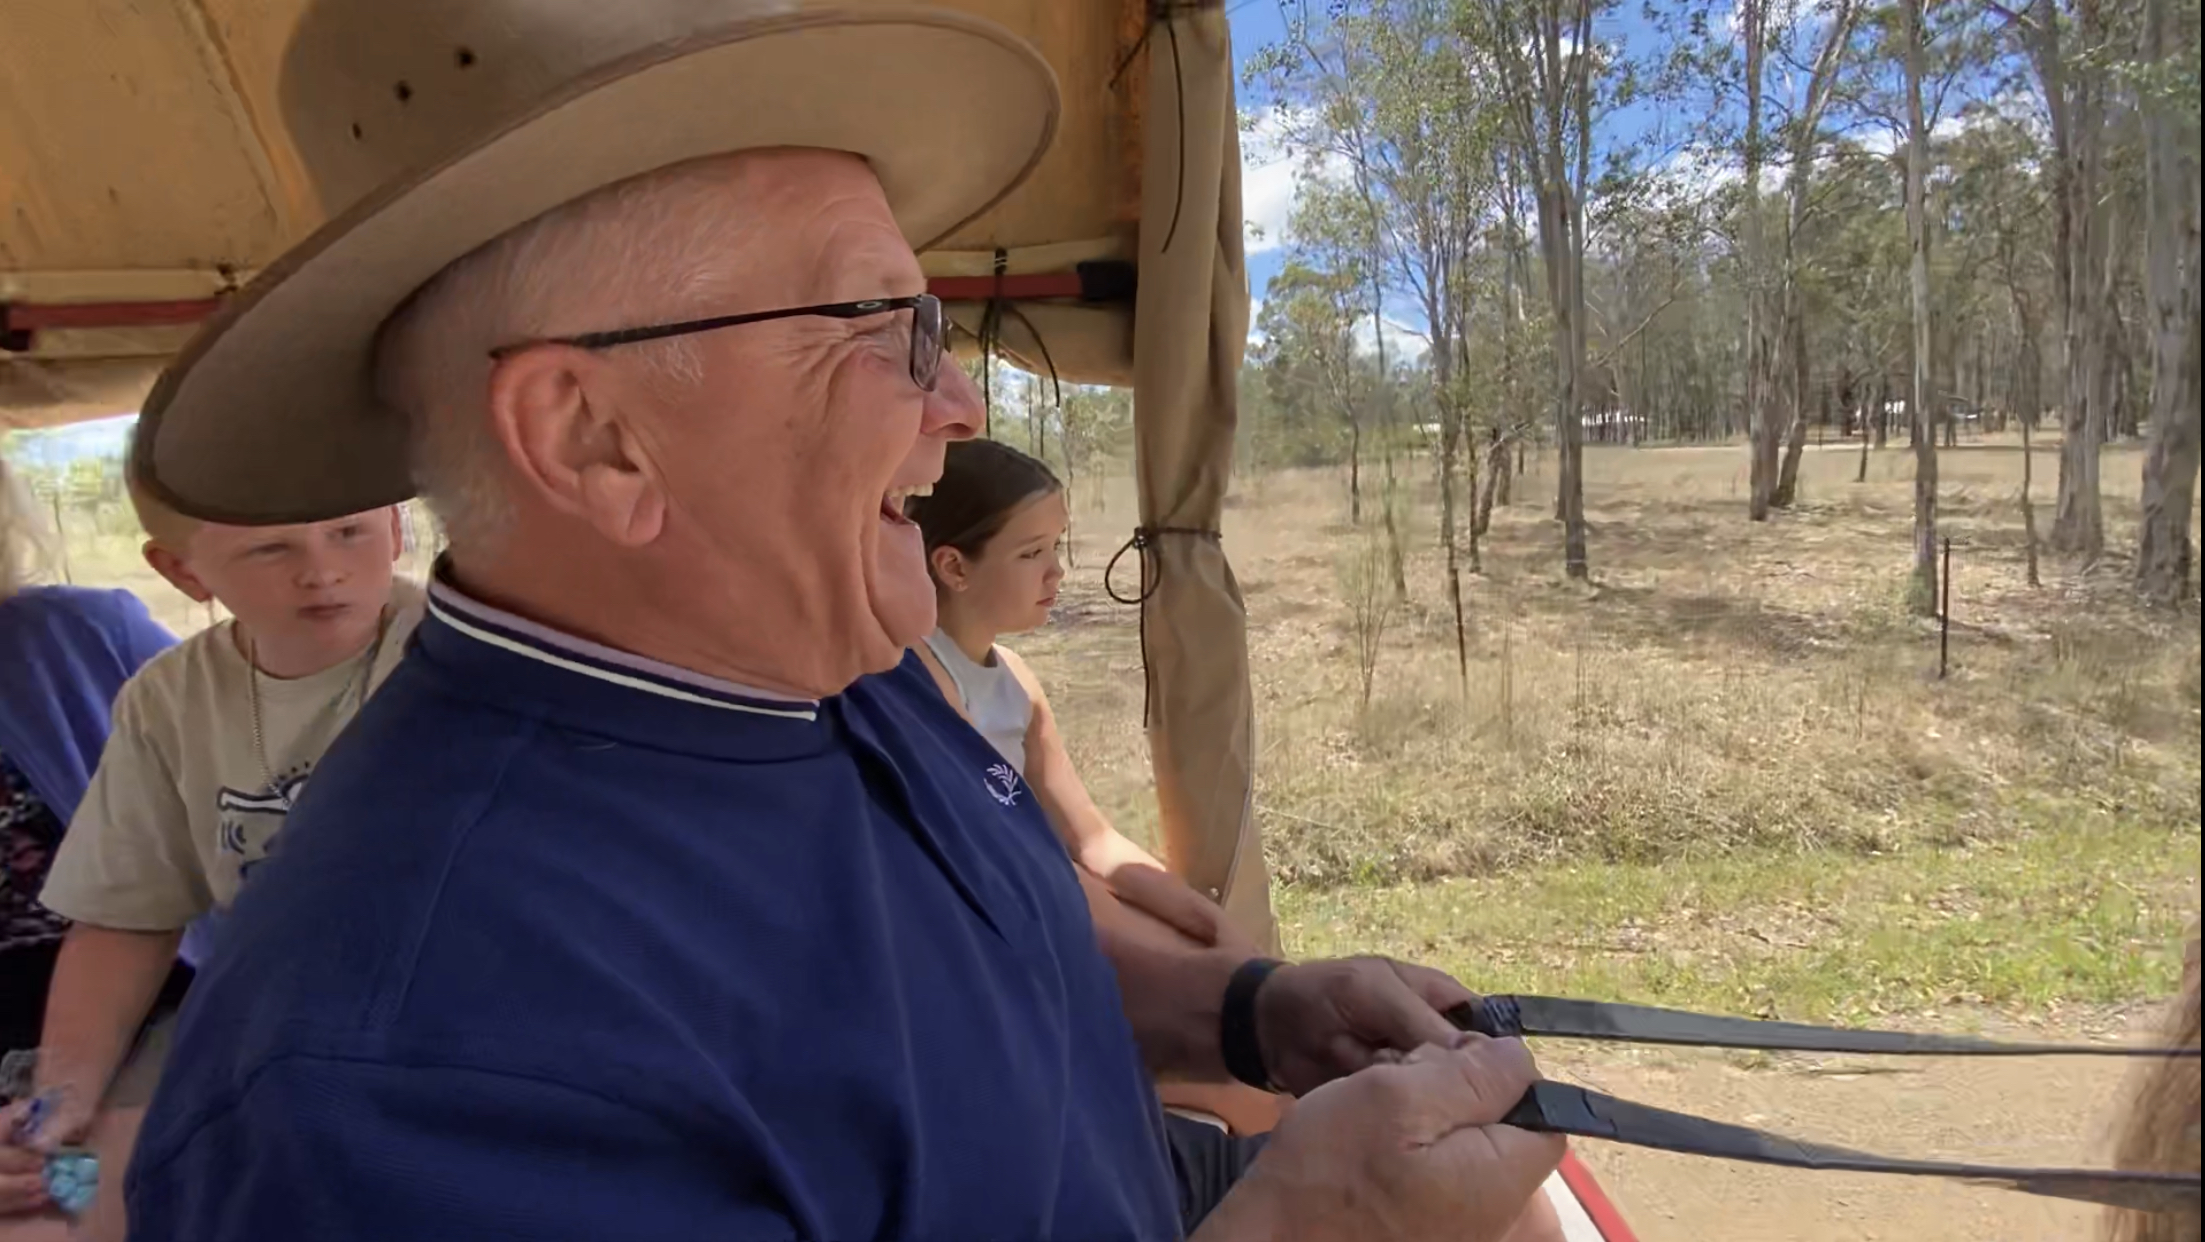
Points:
[810,227]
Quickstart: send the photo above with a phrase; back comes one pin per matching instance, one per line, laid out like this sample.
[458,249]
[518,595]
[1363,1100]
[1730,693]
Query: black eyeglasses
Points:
[926,330]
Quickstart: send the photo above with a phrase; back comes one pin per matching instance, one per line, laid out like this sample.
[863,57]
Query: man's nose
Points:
[953,410]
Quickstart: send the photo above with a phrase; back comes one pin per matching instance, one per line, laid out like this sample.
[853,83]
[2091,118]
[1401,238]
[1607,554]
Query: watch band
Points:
[1236,1024]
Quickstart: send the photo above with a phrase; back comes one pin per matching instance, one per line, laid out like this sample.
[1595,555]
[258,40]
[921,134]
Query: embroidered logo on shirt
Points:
[1003,784]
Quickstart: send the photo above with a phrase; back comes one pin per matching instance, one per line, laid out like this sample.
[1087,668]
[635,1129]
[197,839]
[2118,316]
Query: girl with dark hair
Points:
[993,527]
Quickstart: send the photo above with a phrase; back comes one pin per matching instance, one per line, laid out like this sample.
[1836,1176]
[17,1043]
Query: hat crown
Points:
[374,89]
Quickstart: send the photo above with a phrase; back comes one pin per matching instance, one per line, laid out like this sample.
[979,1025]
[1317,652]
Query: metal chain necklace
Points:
[362,673]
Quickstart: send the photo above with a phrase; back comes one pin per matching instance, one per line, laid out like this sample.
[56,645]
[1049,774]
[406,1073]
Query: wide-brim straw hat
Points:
[430,127]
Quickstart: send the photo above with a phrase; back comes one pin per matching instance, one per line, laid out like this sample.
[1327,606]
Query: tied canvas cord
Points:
[991,342]
[1143,541]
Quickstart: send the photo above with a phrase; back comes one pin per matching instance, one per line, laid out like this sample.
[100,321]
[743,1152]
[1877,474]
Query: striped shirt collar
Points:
[532,640]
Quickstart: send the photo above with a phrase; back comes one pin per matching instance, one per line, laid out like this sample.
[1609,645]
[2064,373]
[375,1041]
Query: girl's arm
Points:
[1131,873]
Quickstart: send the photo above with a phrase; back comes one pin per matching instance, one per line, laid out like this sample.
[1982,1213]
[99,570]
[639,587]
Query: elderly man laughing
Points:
[653,896]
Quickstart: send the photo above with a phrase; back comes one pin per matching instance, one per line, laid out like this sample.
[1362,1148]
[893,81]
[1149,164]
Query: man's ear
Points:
[555,411]
[172,567]
[397,532]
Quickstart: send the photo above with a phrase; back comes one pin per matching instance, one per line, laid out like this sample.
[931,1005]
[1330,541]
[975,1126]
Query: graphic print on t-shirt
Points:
[250,821]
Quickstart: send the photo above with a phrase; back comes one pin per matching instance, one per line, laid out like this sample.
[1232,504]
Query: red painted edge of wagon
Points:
[1594,1200]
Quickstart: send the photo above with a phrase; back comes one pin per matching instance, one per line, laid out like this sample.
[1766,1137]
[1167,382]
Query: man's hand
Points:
[1317,1021]
[1400,1152]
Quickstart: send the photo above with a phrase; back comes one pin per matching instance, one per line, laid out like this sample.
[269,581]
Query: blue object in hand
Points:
[72,1180]
[33,1119]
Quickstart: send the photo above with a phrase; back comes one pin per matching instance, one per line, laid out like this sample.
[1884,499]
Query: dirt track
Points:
[2021,1111]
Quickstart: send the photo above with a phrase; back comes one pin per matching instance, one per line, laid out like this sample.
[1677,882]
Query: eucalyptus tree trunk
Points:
[2075,96]
[1570,212]
[1922,590]
[2164,554]
[1451,444]
[1867,415]
[1501,488]
[1497,478]
[1355,468]
[1762,432]
[1795,444]
[1549,95]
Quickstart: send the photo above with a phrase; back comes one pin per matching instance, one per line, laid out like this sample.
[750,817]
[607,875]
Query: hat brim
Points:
[270,415]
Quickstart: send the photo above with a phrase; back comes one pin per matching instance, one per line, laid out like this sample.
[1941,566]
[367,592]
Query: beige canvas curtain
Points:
[1190,330]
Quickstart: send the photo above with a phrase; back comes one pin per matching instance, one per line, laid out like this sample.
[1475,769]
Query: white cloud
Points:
[1888,140]
[1808,19]
[1695,173]
[1880,140]
[1268,178]
[1403,341]
[1273,170]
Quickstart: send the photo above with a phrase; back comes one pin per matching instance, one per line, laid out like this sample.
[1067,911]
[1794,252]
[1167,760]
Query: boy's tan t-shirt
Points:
[182,806]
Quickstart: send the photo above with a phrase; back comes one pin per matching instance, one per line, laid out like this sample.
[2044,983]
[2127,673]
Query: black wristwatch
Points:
[1236,1024]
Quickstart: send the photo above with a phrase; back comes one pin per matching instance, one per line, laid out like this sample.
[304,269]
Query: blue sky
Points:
[1256,24]
[1267,178]
[1665,131]
[58,446]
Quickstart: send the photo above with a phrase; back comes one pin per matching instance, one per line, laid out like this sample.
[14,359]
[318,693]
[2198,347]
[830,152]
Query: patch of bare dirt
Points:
[2019,1111]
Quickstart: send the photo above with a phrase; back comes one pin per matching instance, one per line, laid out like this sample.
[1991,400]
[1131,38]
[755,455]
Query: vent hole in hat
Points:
[404,92]
[464,57]
[357,134]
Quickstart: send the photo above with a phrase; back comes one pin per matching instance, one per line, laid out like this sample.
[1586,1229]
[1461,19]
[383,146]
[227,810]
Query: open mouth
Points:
[892,502]
[324,612]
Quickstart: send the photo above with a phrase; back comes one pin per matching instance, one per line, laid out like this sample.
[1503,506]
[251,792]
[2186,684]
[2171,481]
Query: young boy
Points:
[213,741]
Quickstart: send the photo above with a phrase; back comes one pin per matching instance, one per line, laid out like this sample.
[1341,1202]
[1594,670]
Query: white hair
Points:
[27,544]
[639,248]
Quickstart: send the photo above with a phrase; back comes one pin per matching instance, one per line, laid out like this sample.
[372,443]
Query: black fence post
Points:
[1944,617]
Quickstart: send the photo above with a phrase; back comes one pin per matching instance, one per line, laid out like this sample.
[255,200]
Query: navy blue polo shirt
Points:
[561,944]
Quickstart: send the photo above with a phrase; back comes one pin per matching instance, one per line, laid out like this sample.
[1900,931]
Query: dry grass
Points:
[1722,691]
[1720,685]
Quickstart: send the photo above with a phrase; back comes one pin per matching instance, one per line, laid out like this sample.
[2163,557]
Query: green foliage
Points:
[1414,155]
